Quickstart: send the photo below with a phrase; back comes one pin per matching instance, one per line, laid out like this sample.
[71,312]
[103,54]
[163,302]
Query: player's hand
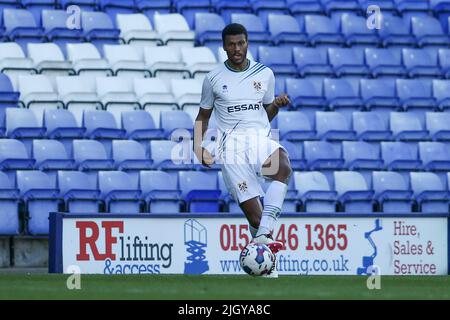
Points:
[207,158]
[281,101]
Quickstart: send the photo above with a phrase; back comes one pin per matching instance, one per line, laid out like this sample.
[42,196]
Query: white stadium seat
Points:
[78,94]
[187,93]
[199,61]
[37,93]
[49,59]
[13,61]
[125,61]
[174,30]
[136,29]
[87,60]
[165,62]
[155,96]
[117,95]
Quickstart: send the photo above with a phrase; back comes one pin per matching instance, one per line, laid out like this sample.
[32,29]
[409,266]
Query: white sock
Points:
[273,202]
[253,230]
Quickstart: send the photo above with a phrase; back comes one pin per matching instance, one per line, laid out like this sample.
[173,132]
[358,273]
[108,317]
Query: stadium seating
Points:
[40,197]
[119,192]
[80,194]
[391,192]
[99,117]
[315,192]
[9,202]
[160,192]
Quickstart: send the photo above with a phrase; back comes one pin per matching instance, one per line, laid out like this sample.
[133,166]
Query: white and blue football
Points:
[256,259]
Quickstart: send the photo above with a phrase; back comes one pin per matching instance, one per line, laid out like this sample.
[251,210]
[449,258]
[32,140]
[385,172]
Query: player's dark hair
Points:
[234,29]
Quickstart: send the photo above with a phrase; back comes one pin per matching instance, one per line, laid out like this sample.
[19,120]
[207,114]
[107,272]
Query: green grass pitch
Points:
[181,287]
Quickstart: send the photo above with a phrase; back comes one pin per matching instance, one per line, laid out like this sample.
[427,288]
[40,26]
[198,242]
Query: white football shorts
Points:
[241,159]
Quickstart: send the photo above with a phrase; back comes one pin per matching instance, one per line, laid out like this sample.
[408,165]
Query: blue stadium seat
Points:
[429,192]
[295,155]
[314,192]
[347,62]
[302,7]
[322,31]
[295,126]
[99,29]
[40,197]
[333,126]
[51,156]
[8,97]
[160,191]
[101,126]
[176,123]
[226,8]
[278,59]
[255,28]
[407,126]
[14,156]
[169,155]
[435,156]
[80,194]
[139,126]
[230,204]
[22,124]
[307,95]
[394,31]
[354,195]
[84,5]
[323,155]
[119,192]
[385,62]
[62,126]
[379,95]
[400,156]
[441,89]
[391,192]
[200,191]
[340,6]
[150,7]
[114,7]
[437,125]
[208,29]
[342,95]
[130,156]
[444,62]
[312,62]
[54,23]
[37,6]
[356,33]
[9,206]
[285,30]
[90,157]
[265,8]
[412,7]
[415,95]
[9,4]
[189,8]
[428,31]
[21,27]
[370,126]
[360,155]
[421,63]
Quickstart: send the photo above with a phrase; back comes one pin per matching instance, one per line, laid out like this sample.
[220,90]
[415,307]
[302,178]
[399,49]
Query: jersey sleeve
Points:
[207,100]
[270,93]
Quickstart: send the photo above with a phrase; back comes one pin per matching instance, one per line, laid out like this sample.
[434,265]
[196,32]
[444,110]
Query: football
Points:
[256,259]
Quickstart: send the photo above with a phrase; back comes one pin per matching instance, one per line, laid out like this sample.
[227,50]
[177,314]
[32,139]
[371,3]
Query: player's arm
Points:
[201,123]
[273,108]
[200,127]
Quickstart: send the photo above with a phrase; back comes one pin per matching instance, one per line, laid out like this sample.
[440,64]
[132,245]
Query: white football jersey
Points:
[238,97]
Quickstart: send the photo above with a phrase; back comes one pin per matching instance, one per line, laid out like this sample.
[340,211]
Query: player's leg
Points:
[277,168]
[252,209]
